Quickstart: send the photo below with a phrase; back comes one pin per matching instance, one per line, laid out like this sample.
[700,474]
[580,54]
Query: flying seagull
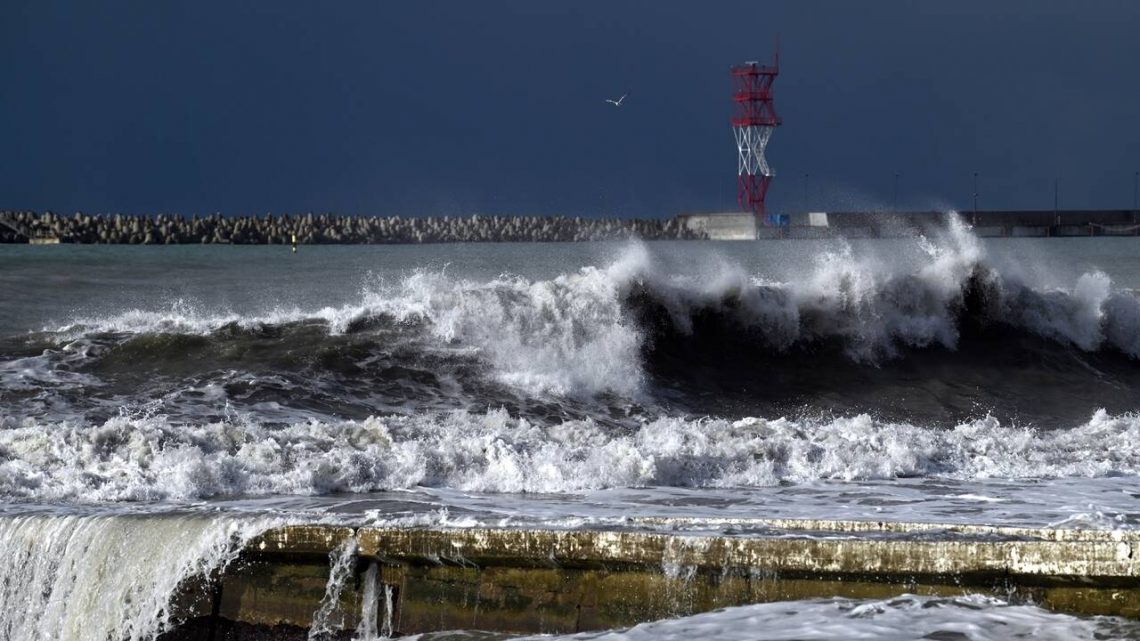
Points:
[617,103]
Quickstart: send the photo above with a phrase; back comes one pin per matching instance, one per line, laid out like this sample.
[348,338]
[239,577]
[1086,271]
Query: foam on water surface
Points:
[150,458]
[965,618]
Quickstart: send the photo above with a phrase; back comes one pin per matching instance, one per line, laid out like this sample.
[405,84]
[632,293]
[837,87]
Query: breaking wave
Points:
[941,338]
[869,305]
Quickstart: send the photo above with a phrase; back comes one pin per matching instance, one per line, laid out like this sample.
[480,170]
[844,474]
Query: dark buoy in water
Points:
[294,243]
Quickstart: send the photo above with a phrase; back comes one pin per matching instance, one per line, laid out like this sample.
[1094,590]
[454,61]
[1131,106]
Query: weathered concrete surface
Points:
[724,226]
[516,580]
[1026,561]
[273,591]
[1012,224]
[305,540]
[900,528]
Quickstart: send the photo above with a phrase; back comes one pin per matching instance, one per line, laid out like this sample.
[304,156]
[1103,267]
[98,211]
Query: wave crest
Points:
[637,327]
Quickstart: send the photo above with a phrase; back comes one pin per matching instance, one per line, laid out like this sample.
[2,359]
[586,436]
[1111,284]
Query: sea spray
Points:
[100,577]
[370,606]
[566,335]
[342,562]
[388,629]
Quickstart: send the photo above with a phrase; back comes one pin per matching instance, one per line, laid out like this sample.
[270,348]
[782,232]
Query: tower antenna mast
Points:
[753,121]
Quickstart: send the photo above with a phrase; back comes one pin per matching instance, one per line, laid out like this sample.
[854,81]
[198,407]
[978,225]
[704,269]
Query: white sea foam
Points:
[968,618]
[342,561]
[93,578]
[149,458]
[567,335]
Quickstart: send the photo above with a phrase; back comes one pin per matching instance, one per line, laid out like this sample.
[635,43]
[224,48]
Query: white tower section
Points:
[750,145]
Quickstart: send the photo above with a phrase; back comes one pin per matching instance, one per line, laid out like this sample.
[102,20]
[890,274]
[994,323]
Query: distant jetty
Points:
[332,229]
[323,229]
[895,224]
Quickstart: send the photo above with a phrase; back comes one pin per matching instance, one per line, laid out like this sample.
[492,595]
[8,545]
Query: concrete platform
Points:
[1029,231]
[405,581]
[991,231]
[1072,230]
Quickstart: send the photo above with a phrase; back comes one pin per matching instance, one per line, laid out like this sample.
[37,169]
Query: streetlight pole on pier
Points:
[975,198]
[1135,193]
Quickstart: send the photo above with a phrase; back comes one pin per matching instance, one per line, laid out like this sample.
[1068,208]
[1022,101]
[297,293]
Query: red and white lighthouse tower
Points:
[753,121]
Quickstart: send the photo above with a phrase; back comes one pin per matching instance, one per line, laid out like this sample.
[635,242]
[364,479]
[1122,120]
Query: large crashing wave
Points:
[944,337]
[581,332]
[584,333]
[871,309]
[568,335]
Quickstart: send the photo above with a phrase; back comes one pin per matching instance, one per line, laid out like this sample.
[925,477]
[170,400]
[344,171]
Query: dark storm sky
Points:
[497,107]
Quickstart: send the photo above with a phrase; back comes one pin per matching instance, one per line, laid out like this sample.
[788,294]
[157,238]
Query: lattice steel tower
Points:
[754,119]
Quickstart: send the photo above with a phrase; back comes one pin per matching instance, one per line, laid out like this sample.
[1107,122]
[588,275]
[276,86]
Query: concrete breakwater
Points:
[360,582]
[309,229]
[990,223]
[897,224]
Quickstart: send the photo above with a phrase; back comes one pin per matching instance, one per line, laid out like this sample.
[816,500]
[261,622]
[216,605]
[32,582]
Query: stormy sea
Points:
[159,406]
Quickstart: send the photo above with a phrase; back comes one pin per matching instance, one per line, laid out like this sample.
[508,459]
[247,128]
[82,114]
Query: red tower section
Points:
[754,120]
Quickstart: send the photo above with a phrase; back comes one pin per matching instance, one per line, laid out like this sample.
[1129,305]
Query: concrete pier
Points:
[992,223]
[893,224]
[405,581]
